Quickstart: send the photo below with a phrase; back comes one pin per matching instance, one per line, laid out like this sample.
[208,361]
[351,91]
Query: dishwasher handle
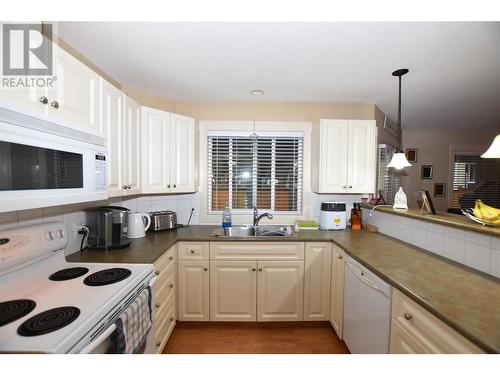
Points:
[361,275]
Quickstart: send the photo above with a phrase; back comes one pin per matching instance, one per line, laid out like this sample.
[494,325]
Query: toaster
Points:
[162,220]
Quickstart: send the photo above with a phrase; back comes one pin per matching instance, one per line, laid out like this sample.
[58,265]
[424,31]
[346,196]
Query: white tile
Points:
[159,205]
[495,263]
[435,242]
[184,205]
[478,238]
[131,204]
[435,228]
[144,205]
[454,233]
[405,233]
[36,213]
[49,219]
[419,237]
[477,256]
[454,249]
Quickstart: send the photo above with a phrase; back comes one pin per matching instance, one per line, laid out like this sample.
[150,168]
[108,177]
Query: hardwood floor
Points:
[254,338]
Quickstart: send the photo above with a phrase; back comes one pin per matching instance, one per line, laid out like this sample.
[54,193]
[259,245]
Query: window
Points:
[388,182]
[263,171]
[475,178]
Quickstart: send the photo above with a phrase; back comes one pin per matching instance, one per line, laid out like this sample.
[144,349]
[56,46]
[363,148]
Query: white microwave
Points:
[45,164]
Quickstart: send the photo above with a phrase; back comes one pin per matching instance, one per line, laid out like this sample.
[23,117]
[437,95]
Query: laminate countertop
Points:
[465,299]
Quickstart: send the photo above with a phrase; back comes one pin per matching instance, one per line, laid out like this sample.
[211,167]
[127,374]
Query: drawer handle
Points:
[408,316]
[254,269]
[157,273]
[171,257]
[171,318]
[192,251]
[205,269]
[260,269]
[157,305]
[171,286]
[158,343]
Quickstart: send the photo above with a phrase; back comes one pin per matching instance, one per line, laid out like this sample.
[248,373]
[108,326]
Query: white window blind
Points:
[265,172]
[475,178]
[388,183]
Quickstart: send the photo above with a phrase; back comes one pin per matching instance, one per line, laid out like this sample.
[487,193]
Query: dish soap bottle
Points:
[356,216]
[226,217]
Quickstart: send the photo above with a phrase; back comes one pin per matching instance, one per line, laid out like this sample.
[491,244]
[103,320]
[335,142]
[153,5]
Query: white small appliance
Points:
[138,224]
[333,216]
[367,310]
[46,164]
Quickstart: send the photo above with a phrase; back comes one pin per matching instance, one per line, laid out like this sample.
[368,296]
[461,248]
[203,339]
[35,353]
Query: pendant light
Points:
[493,152]
[399,160]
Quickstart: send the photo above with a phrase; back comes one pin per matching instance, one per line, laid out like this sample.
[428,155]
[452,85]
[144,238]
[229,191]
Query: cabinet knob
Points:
[43,100]
[157,305]
[344,187]
[260,269]
[254,269]
[408,316]
[171,318]
[341,257]
[157,273]
[129,186]
[175,185]
[54,104]
[205,269]
[158,343]
[124,187]
[171,286]
[168,186]
[350,186]
[171,257]
[362,273]
[192,251]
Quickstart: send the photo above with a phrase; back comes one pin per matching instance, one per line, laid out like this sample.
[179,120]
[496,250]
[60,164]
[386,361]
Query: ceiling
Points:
[454,79]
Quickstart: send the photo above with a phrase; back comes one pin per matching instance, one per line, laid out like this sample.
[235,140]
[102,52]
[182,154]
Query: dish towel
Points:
[133,326]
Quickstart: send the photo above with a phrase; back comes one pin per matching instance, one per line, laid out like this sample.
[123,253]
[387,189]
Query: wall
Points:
[436,147]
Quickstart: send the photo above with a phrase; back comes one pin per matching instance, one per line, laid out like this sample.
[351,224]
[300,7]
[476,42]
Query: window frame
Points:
[246,128]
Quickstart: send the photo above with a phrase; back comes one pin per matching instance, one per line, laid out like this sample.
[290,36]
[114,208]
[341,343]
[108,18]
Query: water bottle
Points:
[226,217]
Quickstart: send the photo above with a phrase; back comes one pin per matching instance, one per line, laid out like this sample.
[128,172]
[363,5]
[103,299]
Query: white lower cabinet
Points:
[317,281]
[233,291]
[337,290]
[280,290]
[193,290]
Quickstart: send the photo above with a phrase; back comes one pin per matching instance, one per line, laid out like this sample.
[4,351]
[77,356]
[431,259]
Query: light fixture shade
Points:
[398,161]
[494,151]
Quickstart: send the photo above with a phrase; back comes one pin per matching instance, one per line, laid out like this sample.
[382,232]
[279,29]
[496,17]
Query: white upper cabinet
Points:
[75,100]
[112,125]
[168,142]
[345,156]
[132,147]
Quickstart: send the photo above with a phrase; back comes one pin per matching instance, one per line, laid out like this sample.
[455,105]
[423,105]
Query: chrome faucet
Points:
[257,218]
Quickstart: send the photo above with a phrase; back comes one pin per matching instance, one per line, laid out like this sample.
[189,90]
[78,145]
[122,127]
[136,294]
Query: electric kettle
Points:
[137,226]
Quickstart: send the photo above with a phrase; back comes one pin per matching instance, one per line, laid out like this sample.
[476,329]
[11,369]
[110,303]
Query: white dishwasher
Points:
[367,310]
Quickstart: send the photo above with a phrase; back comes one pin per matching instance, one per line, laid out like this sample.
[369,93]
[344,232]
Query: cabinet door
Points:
[132,147]
[233,291]
[113,126]
[402,342]
[182,177]
[362,157]
[317,281]
[156,153]
[333,156]
[280,288]
[76,93]
[337,290]
[193,290]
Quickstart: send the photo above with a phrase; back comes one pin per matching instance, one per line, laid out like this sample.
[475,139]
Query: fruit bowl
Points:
[468,213]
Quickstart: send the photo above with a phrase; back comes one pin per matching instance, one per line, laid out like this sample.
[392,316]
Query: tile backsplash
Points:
[476,250]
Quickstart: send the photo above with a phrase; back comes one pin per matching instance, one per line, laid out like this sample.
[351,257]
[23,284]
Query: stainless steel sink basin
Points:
[248,231]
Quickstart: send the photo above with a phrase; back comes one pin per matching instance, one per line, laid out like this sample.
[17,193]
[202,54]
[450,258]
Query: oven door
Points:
[39,169]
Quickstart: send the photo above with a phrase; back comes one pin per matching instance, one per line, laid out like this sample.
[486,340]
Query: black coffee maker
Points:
[108,227]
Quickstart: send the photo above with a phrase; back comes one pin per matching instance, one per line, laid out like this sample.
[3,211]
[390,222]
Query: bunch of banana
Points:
[486,213]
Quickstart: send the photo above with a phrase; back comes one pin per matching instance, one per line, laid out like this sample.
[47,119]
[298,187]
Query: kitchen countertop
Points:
[465,299]
[443,218]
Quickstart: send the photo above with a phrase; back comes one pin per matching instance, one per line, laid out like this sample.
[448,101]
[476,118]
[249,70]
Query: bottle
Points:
[356,216]
[226,217]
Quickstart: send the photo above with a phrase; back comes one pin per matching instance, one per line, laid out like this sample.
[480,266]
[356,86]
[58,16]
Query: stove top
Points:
[15,309]
[49,321]
[107,276]
[45,306]
[68,273]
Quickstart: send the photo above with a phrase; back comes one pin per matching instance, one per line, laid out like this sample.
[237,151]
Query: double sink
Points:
[254,231]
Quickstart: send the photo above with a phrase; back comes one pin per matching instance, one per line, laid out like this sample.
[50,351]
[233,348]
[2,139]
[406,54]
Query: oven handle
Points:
[152,281]
[94,344]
